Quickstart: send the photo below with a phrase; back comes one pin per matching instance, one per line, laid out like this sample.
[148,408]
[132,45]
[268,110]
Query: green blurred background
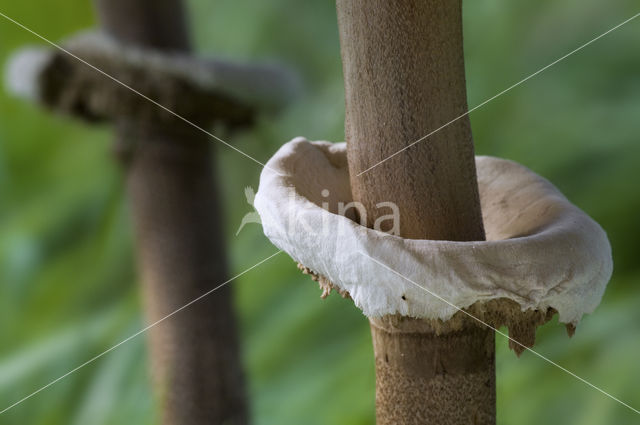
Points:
[68,286]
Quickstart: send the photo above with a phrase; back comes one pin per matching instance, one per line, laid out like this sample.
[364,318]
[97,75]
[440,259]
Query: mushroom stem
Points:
[427,378]
[404,78]
[173,195]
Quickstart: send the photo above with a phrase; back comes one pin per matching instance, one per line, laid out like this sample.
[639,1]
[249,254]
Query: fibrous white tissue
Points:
[541,251]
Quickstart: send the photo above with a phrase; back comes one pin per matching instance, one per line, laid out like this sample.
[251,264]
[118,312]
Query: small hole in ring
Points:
[404,298]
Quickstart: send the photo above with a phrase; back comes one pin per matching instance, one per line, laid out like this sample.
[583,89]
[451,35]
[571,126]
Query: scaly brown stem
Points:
[175,207]
[404,78]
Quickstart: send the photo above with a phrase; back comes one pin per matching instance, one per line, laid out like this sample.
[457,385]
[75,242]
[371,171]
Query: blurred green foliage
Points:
[67,278]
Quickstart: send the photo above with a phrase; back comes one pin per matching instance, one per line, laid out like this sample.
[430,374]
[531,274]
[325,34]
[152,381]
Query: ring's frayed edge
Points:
[324,283]
[521,324]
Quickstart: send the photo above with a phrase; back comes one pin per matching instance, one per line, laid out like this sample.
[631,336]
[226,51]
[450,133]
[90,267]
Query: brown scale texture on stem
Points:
[404,78]
[435,379]
[195,354]
[174,202]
